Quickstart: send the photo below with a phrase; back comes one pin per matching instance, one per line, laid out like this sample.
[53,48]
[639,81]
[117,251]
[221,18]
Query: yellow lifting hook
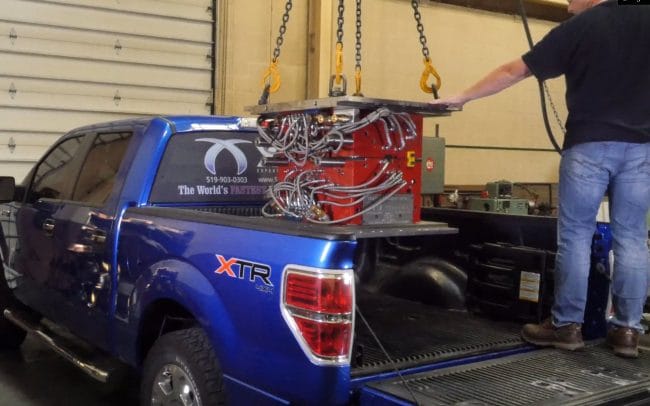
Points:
[429,70]
[339,62]
[272,73]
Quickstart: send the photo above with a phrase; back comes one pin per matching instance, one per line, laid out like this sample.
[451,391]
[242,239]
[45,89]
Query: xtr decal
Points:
[238,268]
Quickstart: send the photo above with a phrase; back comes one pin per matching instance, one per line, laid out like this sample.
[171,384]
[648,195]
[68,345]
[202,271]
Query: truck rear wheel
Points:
[11,336]
[182,369]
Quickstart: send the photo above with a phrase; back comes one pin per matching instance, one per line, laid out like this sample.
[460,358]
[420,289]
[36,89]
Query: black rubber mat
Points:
[544,377]
[415,334]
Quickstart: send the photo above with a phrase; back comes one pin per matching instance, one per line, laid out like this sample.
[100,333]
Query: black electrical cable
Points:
[383,349]
[547,124]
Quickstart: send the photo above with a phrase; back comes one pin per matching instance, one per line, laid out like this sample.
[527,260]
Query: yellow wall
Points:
[464,43]
[246,42]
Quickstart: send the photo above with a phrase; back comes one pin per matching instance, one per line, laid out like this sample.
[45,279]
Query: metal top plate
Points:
[425,109]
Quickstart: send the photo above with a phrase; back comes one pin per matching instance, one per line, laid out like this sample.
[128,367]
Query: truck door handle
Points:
[98,237]
[48,227]
[81,249]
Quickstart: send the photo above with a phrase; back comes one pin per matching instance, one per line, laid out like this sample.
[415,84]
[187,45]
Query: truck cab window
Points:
[53,175]
[98,172]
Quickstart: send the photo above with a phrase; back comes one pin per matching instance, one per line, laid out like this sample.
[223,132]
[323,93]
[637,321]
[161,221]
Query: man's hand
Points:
[454,102]
[501,78]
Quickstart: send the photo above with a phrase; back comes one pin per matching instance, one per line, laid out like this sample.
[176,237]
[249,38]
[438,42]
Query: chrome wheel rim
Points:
[172,387]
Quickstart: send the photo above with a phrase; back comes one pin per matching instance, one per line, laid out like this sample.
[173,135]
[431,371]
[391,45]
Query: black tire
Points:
[189,351]
[11,336]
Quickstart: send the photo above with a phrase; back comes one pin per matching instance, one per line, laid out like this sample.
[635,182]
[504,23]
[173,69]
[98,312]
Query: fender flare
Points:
[180,282]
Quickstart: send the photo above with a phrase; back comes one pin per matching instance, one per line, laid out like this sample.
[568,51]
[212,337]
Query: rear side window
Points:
[212,167]
[98,172]
[55,173]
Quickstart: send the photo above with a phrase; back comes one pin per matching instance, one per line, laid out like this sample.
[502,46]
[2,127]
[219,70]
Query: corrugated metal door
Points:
[66,63]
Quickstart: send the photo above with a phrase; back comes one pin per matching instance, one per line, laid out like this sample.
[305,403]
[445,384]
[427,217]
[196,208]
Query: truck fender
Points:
[179,282]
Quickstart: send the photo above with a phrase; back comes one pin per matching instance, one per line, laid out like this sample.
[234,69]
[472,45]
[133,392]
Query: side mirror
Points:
[7,189]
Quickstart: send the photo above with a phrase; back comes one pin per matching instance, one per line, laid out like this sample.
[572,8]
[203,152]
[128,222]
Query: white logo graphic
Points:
[210,158]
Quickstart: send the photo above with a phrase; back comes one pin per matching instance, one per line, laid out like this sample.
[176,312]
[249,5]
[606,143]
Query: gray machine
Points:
[499,199]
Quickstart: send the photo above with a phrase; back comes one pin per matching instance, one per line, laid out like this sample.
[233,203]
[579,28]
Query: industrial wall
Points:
[66,63]
[501,137]
[248,32]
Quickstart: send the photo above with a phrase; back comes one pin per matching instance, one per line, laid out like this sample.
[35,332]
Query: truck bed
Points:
[415,334]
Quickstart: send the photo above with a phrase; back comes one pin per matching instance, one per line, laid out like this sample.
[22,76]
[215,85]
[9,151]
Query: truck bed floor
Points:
[593,376]
[415,334]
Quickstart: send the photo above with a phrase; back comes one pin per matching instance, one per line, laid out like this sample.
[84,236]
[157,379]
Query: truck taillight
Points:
[319,293]
[326,340]
[318,305]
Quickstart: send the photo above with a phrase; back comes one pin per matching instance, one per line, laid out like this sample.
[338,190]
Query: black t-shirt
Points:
[604,54]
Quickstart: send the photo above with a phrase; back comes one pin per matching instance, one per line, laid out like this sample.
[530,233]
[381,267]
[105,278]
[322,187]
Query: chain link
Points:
[339,29]
[357,46]
[420,27]
[555,113]
[283,30]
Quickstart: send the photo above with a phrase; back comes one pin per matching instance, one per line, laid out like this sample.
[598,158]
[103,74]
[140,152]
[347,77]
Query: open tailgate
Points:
[593,376]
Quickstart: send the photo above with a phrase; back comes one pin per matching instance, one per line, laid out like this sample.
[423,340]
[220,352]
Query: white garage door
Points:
[66,63]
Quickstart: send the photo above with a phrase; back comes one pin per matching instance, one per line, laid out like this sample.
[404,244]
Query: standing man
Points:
[604,53]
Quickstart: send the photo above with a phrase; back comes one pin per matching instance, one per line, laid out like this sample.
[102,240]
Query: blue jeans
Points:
[586,171]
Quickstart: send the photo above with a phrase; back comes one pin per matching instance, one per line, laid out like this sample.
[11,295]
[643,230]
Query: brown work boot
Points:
[567,337]
[624,341]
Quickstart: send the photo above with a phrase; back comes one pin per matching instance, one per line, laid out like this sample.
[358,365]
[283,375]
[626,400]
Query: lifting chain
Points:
[357,57]
[429,70]
[271,78]
[338,79]
[339,22]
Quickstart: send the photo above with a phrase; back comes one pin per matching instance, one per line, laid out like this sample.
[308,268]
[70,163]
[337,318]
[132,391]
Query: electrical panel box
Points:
[433,165]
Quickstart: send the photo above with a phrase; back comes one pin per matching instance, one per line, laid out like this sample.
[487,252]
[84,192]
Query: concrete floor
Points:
[36,376]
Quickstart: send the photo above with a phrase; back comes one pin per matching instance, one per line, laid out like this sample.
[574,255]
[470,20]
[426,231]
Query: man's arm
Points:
[501,78]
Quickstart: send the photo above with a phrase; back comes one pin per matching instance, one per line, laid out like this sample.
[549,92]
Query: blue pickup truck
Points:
[144,240]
